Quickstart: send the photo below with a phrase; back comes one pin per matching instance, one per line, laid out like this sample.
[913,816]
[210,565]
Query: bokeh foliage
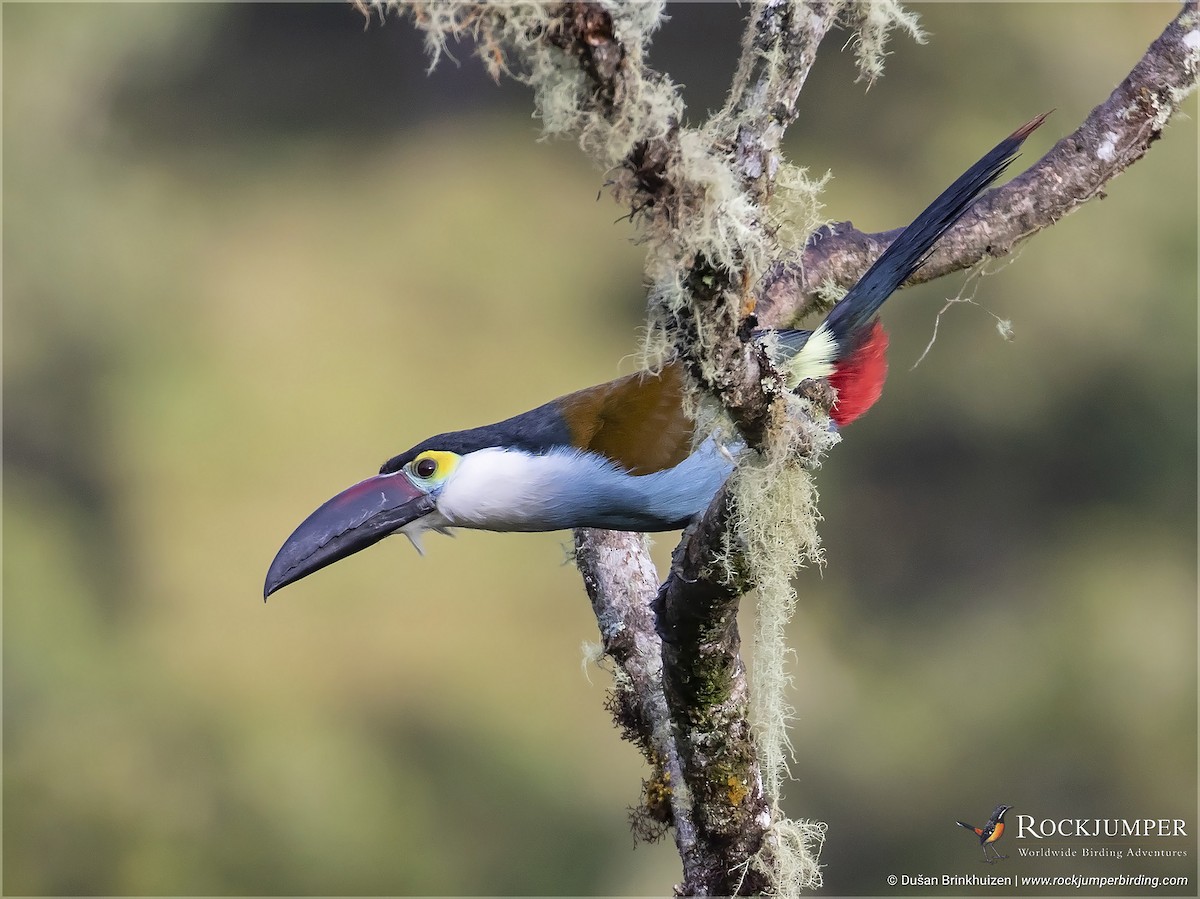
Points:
[250,252]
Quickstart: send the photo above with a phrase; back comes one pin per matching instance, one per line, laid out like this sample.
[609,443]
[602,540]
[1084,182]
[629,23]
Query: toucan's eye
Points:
[430,469]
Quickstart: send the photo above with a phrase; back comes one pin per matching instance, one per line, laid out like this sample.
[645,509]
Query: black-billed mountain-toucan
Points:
[622,455]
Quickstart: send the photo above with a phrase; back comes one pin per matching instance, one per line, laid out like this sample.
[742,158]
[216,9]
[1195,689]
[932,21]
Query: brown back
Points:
[636,421]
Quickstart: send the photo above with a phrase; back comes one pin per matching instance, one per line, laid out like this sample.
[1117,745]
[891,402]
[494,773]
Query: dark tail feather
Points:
[909,251]
[970,827]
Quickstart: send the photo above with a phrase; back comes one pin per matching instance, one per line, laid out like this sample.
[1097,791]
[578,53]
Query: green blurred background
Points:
[252,251]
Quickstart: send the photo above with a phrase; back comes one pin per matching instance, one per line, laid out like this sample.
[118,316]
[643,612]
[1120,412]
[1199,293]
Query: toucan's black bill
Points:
[356,518]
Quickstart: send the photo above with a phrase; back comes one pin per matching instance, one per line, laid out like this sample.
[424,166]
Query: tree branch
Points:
[1114,136]
[705,684]
[699,197]
[621,583]
[780,44]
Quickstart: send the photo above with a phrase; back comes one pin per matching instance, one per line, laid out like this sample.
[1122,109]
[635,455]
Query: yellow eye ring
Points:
[433,466]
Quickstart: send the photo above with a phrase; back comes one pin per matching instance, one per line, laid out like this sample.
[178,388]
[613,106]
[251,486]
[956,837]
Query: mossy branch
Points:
[704,680]
[778,51]
[706,201]
[621,582]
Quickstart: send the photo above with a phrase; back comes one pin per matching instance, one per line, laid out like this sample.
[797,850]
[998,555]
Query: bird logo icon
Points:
[990,833]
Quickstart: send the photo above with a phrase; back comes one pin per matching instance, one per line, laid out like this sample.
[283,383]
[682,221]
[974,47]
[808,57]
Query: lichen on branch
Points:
[714,213]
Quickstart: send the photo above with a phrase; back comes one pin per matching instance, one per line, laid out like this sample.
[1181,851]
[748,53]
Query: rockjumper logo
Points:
[990,833]
[1030,828]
